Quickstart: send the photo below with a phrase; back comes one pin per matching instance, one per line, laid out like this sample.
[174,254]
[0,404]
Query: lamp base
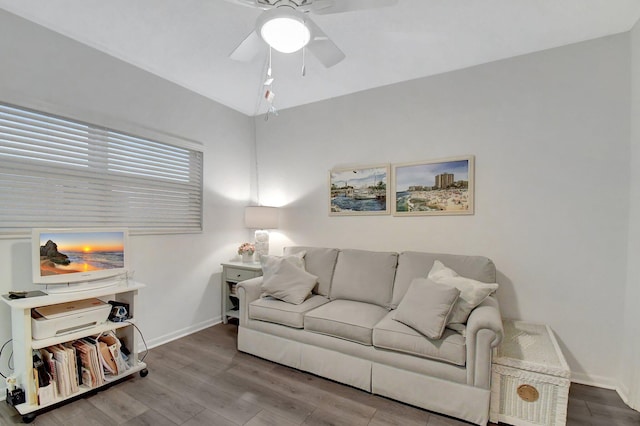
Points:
[262,243]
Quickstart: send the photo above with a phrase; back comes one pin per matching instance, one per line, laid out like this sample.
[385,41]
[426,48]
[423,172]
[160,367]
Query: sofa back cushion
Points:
[364,276]
[412,264]
[319,262]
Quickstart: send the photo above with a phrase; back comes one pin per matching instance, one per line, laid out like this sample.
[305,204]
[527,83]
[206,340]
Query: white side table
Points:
[232,274]
[530,377]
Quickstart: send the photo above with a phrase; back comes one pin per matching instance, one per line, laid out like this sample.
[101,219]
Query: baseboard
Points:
[597,381]
[624,394]
[602,382]
[161,340]
[623,391]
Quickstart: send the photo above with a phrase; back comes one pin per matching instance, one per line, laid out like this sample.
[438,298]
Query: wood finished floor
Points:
[202,379]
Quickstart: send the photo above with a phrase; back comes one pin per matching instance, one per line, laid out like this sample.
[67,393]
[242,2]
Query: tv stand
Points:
[24,344]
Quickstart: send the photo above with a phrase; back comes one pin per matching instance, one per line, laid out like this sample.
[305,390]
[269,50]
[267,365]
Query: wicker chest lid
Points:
[531,347]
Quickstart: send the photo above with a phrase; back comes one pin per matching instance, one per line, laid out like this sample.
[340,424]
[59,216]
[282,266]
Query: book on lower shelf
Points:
[60,370]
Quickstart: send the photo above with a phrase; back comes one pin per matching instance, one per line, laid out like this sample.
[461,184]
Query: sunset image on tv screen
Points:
[64,253]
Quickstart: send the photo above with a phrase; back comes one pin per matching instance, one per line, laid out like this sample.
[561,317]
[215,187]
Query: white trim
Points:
[603,383]
[597,381]
[161,340]
[623,391]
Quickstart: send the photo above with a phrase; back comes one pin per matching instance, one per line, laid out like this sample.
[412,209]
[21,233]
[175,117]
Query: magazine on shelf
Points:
[90,361]
[114,362]
[61,361]
[59,370]
[73,366]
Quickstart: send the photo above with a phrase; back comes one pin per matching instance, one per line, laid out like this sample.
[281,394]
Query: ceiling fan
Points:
[285,26]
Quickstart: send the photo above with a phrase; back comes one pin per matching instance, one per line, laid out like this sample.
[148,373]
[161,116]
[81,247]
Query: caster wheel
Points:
[144,372]
[28,418]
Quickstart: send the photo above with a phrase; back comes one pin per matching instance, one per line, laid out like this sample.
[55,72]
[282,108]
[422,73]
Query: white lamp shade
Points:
[286,35]
[261,217]
[284,29]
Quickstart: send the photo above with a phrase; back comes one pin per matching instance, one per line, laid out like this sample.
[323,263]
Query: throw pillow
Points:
[426,306]
[269,262]
[472,292]
[286,281]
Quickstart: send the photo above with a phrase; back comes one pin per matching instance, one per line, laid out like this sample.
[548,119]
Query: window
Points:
[57,172]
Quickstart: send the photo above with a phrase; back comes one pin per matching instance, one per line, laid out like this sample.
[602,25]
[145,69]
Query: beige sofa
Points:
[345,330]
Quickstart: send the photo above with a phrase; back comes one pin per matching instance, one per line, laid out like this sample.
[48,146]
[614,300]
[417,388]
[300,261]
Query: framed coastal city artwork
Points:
[438,187]
[359,191]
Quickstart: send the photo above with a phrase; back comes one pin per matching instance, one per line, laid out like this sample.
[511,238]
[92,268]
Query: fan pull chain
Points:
[304,67]
[268,94]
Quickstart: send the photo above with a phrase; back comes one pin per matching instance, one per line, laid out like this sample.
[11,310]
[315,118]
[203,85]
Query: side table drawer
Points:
[236,274]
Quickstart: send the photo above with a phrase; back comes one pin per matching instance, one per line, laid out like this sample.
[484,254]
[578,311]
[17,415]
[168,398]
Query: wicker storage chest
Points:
[530,377]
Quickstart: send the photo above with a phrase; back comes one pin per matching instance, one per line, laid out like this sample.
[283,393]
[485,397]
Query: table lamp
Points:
[261,218]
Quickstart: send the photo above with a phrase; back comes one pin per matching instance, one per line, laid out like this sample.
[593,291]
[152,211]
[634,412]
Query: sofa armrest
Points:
[484,332]
[248,291]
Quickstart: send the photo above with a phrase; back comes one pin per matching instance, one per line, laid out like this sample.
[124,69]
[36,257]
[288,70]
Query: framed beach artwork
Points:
[359,191]
[438,187]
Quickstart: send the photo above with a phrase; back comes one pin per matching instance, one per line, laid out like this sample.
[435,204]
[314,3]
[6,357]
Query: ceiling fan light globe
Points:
[285,34]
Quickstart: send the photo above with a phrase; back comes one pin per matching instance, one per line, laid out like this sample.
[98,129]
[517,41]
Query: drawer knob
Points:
[528,393]
[239,275]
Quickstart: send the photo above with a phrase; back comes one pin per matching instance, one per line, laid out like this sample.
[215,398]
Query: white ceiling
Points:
[188,41]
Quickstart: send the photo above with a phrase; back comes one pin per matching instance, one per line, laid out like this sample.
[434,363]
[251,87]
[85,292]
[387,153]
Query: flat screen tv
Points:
[79,259]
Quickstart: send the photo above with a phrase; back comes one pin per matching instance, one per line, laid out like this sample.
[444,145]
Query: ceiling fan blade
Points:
[249,3]
[321,46]
[325,7]
[248,48]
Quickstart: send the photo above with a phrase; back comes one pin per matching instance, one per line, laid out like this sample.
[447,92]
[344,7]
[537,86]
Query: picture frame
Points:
[436,187]
[361,190]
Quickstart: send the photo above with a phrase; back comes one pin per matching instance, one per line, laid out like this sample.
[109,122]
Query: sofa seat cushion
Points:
[393,335]
[279,312]
[345,319]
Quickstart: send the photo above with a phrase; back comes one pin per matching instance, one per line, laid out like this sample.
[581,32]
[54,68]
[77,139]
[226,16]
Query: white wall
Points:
[47,71]
[630,365]
[550,132]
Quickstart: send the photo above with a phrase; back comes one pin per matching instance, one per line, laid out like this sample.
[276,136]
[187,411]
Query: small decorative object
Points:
[438,187]
[246,250]
[261,218]
[359,191]
[528,393]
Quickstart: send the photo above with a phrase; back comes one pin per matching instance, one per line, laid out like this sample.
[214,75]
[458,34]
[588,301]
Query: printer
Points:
[63,318]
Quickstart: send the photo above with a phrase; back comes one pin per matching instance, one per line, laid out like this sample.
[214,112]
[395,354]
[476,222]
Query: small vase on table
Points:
[246,251]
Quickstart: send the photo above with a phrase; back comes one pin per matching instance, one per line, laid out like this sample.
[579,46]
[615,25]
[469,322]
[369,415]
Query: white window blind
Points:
[56,172]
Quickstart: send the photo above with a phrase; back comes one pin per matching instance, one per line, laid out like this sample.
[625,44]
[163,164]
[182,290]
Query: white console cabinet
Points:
[24,344]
